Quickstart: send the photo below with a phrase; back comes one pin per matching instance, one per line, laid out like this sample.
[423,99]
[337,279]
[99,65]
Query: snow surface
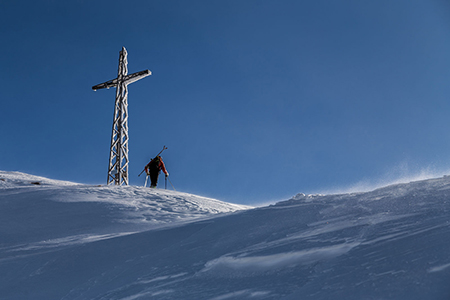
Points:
[60,240]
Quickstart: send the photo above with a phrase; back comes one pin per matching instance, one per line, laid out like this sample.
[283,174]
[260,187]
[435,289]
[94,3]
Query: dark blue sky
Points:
[256,100]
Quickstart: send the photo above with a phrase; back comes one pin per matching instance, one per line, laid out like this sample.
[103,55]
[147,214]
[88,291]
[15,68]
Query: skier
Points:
[153,168]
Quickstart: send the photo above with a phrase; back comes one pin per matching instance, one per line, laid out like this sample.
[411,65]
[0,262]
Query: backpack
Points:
[154,163]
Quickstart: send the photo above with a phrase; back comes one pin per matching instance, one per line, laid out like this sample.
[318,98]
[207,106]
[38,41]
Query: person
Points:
[153,168]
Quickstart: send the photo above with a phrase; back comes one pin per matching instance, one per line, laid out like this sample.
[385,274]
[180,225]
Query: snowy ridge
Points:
[10,180]
[91,213]
[391,243]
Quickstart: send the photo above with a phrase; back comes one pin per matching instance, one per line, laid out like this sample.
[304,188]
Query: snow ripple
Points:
[265,263]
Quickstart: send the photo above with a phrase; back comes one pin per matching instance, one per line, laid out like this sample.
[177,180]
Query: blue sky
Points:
[256,100]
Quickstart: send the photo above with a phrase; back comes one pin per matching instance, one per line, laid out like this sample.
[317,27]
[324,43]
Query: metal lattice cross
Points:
[118,156]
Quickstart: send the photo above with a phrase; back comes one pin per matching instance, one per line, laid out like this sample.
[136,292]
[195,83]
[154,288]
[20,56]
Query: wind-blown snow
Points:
[61,240]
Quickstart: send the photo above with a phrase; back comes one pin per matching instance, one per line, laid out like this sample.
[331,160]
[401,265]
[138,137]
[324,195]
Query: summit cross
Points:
[118,155]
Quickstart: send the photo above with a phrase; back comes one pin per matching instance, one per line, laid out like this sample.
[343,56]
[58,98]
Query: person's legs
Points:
[154,178]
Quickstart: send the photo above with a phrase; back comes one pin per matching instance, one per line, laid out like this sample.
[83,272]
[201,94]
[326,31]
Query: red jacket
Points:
[162,166]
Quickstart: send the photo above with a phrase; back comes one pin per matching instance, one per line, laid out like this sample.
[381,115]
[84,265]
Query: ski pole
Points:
[166,183]
[171,184]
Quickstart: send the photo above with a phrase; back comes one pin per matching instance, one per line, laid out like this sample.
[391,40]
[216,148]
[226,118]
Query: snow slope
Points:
[36,209]
[65,241]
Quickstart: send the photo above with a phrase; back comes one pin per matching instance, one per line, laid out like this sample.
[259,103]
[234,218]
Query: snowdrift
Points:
[61,240]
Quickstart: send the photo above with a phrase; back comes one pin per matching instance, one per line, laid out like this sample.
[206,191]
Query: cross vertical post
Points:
[118,154]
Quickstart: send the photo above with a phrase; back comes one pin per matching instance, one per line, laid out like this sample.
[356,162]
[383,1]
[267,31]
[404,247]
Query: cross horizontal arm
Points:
[107,85]
[126,80]
[136,76]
